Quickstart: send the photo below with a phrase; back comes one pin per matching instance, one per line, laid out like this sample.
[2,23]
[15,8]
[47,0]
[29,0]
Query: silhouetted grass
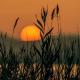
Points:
[51,58]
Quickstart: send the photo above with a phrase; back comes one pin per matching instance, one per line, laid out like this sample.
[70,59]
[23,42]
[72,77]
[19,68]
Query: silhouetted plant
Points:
[47,55]
[51,50]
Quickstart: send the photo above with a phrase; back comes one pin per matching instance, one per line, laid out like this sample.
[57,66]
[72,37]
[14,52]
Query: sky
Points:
[26,10]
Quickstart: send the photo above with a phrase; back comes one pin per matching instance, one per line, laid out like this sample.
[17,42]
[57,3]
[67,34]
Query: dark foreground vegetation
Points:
[55,58]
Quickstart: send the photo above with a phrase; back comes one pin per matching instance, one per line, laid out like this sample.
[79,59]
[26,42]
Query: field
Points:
[56,58]
[51,58]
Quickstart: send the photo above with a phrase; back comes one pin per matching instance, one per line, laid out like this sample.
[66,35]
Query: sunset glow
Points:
[30,33]
[27,9]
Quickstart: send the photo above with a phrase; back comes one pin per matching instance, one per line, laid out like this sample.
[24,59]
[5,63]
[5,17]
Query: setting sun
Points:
[30,33]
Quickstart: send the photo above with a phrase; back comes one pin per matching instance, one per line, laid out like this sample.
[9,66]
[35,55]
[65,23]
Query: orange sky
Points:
[26,10]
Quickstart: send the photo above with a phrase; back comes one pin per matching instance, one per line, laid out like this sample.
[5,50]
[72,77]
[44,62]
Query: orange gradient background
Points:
[26,10]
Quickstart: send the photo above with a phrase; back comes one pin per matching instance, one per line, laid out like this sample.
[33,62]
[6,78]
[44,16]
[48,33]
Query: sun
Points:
[30,33]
